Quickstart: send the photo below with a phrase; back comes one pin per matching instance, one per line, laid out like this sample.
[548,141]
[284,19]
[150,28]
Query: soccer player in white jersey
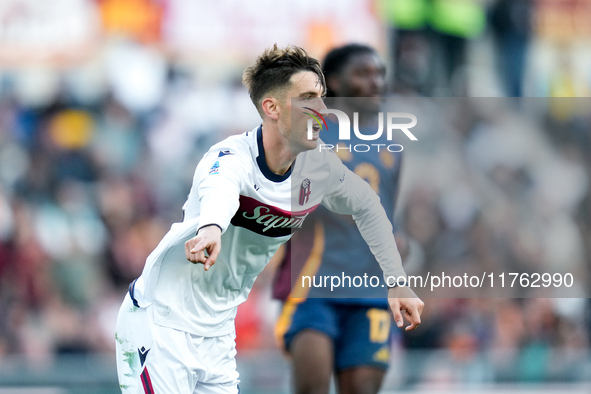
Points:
[175,330]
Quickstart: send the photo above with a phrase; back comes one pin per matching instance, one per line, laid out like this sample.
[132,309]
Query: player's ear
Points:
[270,107]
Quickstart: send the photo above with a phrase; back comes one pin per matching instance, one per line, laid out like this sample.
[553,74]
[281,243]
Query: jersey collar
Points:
[262,162]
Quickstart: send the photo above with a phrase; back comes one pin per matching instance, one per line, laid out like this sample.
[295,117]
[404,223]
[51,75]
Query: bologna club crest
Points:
[305,191]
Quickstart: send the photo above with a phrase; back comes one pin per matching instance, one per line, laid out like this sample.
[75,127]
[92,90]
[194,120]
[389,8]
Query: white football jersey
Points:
[257,210]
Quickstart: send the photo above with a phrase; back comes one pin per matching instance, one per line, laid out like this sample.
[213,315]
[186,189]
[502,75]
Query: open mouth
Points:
[316,132]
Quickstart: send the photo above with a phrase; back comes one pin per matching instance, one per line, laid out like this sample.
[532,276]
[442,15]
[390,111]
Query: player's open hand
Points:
[405,303]
[205,247]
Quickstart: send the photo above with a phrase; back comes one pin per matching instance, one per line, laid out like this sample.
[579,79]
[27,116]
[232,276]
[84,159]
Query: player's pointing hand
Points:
[405,303]
[205,247]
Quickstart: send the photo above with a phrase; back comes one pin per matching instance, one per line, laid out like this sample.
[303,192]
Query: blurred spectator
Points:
[412,49]
[454,23]
[511,23]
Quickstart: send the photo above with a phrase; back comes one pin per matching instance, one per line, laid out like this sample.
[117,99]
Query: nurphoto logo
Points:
[395,122]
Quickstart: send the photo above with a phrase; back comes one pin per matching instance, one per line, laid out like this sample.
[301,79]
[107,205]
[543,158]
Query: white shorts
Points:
[153,359]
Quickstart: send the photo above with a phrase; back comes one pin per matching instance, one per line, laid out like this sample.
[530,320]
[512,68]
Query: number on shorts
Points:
[379,325]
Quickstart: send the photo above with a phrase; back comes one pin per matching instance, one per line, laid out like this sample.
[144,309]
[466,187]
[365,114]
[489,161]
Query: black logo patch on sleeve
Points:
[143,353]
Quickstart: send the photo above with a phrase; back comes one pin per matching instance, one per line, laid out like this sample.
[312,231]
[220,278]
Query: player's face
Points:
[363,76]
[305,91]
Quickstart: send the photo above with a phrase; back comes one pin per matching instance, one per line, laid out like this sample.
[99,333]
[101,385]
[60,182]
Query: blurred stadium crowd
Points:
[107,106]
[500,188]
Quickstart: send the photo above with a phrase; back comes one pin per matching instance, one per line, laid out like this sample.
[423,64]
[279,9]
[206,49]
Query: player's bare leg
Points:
[360,380]
[312,360]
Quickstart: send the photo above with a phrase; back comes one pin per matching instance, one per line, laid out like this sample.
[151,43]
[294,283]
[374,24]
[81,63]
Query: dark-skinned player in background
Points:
[348,334]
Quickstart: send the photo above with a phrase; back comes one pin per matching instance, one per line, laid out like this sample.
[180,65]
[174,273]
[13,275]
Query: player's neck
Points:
[278,156]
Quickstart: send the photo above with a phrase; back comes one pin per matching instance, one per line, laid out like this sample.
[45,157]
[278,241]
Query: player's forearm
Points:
[217,208]
[376,230]
[355,197]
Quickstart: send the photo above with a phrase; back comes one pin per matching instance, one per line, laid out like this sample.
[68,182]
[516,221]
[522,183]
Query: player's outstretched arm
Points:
[208,239]
[352,195]
[405,303]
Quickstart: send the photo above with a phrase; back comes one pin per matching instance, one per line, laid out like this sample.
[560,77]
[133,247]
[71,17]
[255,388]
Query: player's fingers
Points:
[198,257]
[208,263]
[215,251]
[188,250]
[201,257]
[213,255]
[395,306]
[413,316]
[199,246]
[420,306]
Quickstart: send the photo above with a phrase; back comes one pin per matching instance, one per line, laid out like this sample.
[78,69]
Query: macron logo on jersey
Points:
[143,352]
[224,153]
[266,219]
